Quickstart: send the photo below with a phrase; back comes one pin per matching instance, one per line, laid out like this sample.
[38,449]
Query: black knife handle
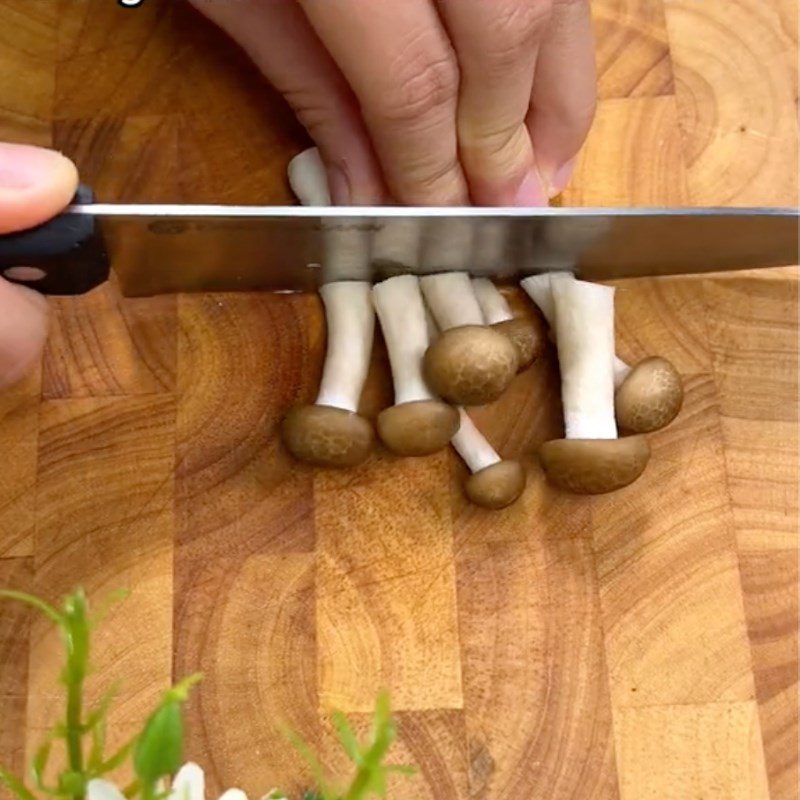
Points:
[67,251]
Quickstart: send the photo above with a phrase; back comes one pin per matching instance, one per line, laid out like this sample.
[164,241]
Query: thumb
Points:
[35,185]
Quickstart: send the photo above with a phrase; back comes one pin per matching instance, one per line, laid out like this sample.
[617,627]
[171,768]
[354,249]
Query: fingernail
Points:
[23,166]
[561,177]
[530,191]
[339,185]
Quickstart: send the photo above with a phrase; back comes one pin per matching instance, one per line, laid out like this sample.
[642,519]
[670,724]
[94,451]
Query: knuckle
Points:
[514,28]
[498,153]
[314,112]
[427,183]
[423,82]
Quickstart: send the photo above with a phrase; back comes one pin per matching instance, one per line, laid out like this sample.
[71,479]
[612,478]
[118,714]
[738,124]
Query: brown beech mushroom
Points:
[590,459]
[524,334]
[494,483]
[649,395]
[418,423]
[470,364]
[330,432]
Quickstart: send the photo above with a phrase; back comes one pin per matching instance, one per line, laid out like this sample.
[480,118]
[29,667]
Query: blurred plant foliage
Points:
[156,752]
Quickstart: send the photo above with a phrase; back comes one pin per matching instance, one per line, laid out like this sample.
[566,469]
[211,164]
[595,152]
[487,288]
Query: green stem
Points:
[16,786]
[74,727]
[360,782]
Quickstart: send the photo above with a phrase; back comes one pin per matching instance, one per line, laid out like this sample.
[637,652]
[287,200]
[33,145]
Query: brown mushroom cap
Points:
[496,486]
[650,397]
[418,428]
[470,365]
[327,436]
[527,336]
[594,466]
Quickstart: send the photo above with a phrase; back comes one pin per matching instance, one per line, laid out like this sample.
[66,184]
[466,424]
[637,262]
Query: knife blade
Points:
[158,249]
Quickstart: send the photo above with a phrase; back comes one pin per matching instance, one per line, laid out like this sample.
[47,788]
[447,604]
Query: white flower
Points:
[98,789]
[189,784]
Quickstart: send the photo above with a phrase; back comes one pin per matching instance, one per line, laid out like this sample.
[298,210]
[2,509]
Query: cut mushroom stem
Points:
[590,459]
[649,394]
[330,432]
[470,363]
[495,482]
[525,334]
[418,423]
[308,178]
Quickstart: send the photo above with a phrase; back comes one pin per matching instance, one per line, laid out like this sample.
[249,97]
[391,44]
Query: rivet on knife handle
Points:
[64,256]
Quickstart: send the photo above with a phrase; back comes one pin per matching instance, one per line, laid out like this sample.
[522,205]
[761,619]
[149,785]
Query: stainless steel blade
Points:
[157,249]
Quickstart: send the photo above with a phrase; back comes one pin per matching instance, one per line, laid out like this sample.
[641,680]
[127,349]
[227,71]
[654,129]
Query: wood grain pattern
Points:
[682,751]
[19,427]
[629,647]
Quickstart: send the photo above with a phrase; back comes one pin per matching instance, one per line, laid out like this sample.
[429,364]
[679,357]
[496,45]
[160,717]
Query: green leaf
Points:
[39,762]
[15,785]
[401,769]
[117,759]
[99,615]
[180,691]
[324,792]
[347,737]
[39,605]
[96,724]
[76,630]
[159,749]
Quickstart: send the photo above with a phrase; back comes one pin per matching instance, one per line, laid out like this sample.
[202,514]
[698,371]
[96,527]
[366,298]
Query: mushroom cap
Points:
[650,397]
[327,436]
[497,485]
[527,336]
[594,466]
[418,428]
[470,365]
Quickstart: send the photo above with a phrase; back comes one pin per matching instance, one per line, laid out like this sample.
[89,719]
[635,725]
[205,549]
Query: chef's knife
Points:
[157,249]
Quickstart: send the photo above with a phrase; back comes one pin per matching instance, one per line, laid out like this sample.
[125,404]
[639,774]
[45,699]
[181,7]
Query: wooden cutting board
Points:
[639,645]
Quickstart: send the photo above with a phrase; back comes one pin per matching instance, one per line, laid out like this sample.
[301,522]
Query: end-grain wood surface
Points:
[639,645]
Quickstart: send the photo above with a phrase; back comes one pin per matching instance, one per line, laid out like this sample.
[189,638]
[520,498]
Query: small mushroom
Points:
[590,459]
[494,483]
[418,423]
[649,395]
[526,336]
[470,364]
[330,432]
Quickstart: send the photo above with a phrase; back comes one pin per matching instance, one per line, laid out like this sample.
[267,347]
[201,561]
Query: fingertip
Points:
[556,180]
[35,185]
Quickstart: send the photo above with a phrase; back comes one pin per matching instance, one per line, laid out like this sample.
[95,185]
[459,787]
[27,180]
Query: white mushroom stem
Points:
[346,255]
[494,306]
[472,446]
[308,178]
[585,339]
[621,371]
[539,289]
[401,312]
[350,317]
[451,299]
